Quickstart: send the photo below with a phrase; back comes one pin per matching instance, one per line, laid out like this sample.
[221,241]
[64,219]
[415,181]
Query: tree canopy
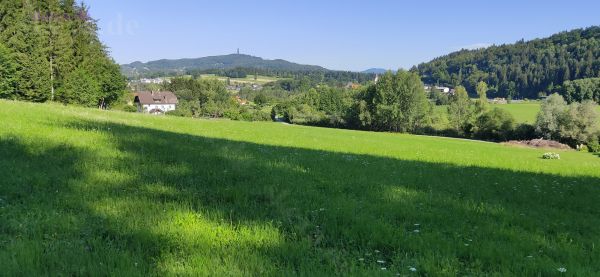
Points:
[52,52]
[523,69]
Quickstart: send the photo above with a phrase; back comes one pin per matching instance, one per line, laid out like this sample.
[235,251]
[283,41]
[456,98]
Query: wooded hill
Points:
[224,62]
[525,69]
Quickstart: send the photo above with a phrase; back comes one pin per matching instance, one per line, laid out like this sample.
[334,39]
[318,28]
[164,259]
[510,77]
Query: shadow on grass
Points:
[156,202]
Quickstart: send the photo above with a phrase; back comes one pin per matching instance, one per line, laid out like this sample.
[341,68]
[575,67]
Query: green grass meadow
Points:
[96,193]
[523,112]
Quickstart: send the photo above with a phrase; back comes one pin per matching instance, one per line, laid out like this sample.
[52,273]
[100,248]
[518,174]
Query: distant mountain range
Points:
[213,62]
[376,70]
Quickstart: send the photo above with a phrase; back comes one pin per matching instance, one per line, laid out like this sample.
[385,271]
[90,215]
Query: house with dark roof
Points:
[155,102]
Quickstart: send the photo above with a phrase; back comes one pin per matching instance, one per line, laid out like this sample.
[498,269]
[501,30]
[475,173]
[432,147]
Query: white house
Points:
[154,81]
[155,102]
[439,88]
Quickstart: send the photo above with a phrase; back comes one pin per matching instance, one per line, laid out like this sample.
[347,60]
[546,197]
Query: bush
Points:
[551,156]
[261,99]
[178,112]
[131,109]
[496,124]
[594,146]
[524,132]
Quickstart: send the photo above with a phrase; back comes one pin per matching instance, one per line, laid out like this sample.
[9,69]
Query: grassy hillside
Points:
[88,192]
[523,112]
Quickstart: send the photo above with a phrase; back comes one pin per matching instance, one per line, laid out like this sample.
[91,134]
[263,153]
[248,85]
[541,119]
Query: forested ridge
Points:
[49,50]
[222,62]
[521,70]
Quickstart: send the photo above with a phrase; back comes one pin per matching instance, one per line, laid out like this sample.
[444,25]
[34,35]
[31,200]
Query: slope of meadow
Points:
[88,192]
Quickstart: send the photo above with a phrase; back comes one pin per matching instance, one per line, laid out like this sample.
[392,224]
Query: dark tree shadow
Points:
[164,202]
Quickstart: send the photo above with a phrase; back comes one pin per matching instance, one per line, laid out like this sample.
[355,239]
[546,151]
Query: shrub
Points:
[551,156]
[261,99]
[594,146]
[496,124]
[181,113]
[524,132]
[131,109]
[261,116]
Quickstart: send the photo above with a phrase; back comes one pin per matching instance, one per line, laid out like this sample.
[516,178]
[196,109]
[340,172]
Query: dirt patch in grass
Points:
[539,143]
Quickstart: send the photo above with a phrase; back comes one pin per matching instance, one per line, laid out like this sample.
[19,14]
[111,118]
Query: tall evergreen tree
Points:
[8,69]
[51,41]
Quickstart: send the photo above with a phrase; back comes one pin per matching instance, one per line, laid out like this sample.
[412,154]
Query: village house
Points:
[444,90]
[155,102]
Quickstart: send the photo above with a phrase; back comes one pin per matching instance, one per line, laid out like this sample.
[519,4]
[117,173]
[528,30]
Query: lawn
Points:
[523,112]
[89,192]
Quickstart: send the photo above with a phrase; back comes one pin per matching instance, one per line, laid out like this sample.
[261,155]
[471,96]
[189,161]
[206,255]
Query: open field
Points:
[523,112]
[89,192]
[261,80]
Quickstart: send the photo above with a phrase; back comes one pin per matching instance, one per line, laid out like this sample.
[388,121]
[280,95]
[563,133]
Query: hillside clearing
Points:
[260,80]
[89,192]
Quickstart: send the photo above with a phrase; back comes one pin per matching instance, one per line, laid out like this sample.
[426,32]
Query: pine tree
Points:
[8,69]
[52,41]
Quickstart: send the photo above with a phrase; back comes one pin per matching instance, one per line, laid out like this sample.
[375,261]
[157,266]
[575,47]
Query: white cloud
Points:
[474,46]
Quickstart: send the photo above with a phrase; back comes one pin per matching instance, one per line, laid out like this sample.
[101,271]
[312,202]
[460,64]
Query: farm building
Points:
[155,102]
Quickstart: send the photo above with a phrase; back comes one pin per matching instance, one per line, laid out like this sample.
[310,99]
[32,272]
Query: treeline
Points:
[575,124]
[581,90]
[398,103]
[49,50]
[521,70]
[330,77]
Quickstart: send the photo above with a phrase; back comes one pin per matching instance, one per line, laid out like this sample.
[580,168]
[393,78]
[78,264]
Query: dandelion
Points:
[562,269]
[412,269]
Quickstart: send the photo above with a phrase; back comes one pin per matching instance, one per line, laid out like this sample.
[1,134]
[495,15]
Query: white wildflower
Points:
[412,269]
[381,261]
[562,269]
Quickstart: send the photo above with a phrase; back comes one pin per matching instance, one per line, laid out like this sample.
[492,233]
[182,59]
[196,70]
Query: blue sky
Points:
[346,35]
